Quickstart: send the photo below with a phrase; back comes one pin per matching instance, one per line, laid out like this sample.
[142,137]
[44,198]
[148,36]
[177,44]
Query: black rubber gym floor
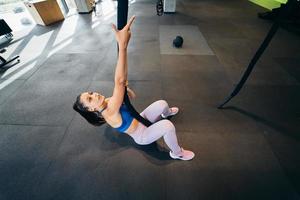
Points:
[250,150]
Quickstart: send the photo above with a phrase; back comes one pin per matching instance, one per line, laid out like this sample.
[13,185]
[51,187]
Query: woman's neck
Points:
[103,105]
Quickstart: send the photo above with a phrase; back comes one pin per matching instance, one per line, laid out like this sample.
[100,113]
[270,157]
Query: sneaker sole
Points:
[178,158]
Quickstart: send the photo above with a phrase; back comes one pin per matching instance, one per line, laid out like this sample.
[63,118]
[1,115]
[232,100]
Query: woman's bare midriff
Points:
[134,124]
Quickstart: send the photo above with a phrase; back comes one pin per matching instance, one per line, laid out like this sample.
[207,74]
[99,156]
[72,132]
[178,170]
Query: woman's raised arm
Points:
[122,37]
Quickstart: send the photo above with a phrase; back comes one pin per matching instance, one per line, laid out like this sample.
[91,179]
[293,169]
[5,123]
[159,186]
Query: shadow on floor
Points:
[4,68]
[271,124]
[154,152]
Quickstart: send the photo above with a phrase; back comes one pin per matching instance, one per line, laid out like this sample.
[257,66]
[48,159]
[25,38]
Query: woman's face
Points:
[92,100]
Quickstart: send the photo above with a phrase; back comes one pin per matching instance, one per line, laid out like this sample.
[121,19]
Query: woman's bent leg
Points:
[154,111]
[165,129]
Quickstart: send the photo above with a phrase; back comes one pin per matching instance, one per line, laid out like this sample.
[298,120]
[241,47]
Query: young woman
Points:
[97,109]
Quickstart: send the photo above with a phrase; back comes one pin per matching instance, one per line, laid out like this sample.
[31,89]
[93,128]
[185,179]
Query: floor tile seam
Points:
[42,177]
[32,125]
[94,77]
[13,93]
[160,74]
[180,55]
[179,130]
[208,103]
[75,53]
[141,80]
[17,79]
[212,38]
[40,180]
[284,170]
[261,87]
[192,70]
[41,59]
[252,83]
[50,163]
[39,67]
[212,49]
[229,80]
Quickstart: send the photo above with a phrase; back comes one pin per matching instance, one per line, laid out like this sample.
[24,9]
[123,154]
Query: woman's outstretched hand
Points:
[123,36]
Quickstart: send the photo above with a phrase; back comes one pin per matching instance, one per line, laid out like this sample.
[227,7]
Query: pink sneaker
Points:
[183,155]
[173,111]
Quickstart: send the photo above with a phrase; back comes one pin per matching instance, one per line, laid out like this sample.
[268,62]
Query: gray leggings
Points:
[164,128]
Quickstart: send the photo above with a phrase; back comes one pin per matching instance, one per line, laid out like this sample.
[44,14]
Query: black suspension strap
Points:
[122,13]
[133,112]
[285,11]
[159,7]
[122,21]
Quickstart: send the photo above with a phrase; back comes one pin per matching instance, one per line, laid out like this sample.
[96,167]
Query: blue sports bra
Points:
[126,119]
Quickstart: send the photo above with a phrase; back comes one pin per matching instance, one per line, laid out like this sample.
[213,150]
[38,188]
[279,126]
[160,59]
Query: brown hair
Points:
[93,117]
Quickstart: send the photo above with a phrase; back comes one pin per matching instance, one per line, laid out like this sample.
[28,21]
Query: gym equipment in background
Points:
[44,12]
[290,23]
[286,10]
[159,7]
[5,31]
[178,41]
[84,6]
[169,6]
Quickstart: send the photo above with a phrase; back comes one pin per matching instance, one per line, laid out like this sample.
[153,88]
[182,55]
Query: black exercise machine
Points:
[286,10]
[6,31]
